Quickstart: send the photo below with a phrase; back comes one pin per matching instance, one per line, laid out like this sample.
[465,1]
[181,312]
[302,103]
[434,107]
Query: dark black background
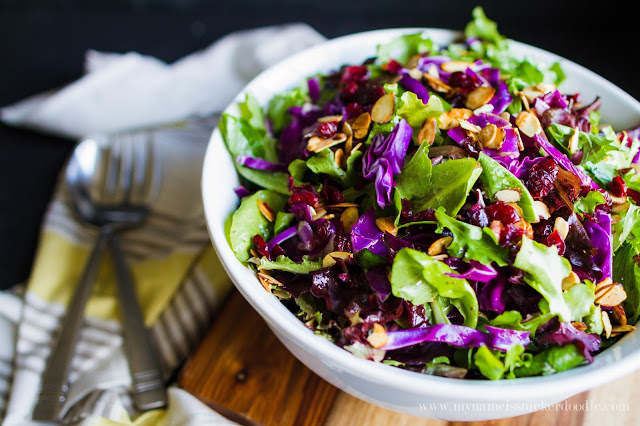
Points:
[42,45]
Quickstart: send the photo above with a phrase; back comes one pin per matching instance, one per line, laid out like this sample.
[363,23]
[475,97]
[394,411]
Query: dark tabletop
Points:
[42,46]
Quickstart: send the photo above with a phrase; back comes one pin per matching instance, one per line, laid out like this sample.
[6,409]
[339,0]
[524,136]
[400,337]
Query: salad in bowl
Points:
[448,210]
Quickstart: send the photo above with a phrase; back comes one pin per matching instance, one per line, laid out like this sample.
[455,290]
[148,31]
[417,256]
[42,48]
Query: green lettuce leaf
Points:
[248,221]
[627,229]
[472,242]
[495,177]
[416,112]
[251,112]
[513,320]
[484,28]
[489,363]
[283,263]
[415,177]
[420,279]
[552,360]
[579,300]
[588,203]
[545,269]
[282,222]
[280,104]
[627,273]
[404,47]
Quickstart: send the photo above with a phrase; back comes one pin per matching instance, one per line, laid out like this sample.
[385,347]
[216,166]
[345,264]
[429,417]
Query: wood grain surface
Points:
[241,370]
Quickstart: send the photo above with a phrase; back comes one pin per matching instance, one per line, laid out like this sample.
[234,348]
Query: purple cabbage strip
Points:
[562,160]
[491,296]
[555,99]
[314,88]
[600,236]
[379,282]
[283,236]
[509,147]
[456,335]
[303,212]
[471,73]
[365,234]
[305,234]
[501,99]
[483,119]
[477,272]
[567,333]
[425,63]
[241,192]
[458,134]
[260,164]
[416,87]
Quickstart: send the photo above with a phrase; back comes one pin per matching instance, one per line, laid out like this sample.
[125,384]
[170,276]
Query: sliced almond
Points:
[546,87]
[619,314]
[382,110]
[439,246]
[470,127]
[360,125]
[346,129]
[541,209]
[528,123]
[622,328]
[266,211]
[573,140]
[479,96]
[330,259]
[435,82]
[317,144]
[415,73]
[386,224]
[253,252]
[570,280]
[618,200]
[267,281]
[506,116]
[579,325]
[329,118]
[526,227]
[349,217]
[562,227]
[531,93]
[610,294]
[428,131]
[339,157]
[355,148]
[319,214]
[517,208]
[454,66]
[496,227]
[491,136]
[620,208]
[484,109]
[519,139]
[378,337]
[341,205]
[450,119]
[511,195]
[606,322]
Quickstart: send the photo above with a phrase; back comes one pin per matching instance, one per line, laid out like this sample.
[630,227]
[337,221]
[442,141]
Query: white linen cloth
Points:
[121,92]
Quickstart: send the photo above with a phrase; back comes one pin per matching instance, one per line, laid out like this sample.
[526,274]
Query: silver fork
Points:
[110,185]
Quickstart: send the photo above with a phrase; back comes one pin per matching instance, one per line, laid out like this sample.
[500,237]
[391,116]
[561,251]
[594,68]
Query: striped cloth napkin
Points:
[179,281]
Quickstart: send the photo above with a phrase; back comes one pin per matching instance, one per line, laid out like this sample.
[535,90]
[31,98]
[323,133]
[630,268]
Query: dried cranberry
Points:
[407,214]
[479,217]
[354,109]
[328,130]
[278,251]
[510,235]
[355,73]
[463,81]
[542,229]
[470,147]
[540,177]
[503,212]
[332,194]
[304,197]
[554,239]
[261,246]
[349,91]
[635,195]
[618,187]
[322,233]
[393,67]
[342,243]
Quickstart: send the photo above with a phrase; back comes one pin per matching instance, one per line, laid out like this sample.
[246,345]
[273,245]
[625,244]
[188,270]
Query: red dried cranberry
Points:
[393,67]
[618,187]
[542,229]
[407,213]
[322,233]
[470,147]
[510,235]
[328,130]
[479,217]
[342,243]
[503,212]
[635,195]
[354,109]
[332,194]
[349,91]
[355,73]
[554,239]
[539,179]
[304,197]
[463,81]
[278,251]
[261,246]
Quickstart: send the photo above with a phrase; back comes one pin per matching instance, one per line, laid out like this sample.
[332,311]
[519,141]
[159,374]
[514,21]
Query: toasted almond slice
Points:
[531,93]
[491,136]
[428,131]
[619,314]
[579,325]
[439,246]
[606,323]
[435,82]
[330,259]
[496,227]
[528,123]
[329,118]
[317,144]
[484,109]
[505,116]
[453,66]
[382,110]
[570,280]
[319,214]
[479,96]
[620,208]
[511,195]
[267,281]
[360,125]
[339,157]
[378,338]
[253,252]
[470,127]
[519,138]
[386,224]
[610,294]
[562,227]
[440,257]
[622,328]
[526,227]
[346,129]
[618,200]
[266,211]
[349,217]
[341,205]
[355,148]
[546,87]
[415,73]
[541,209]
[517,208]
[573,140]
[450,119]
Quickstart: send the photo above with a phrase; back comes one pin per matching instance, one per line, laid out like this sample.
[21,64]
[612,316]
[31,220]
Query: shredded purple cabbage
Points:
[378,278]
[416,87]
[477,272]
[600,236]
[501,99]
[567,333]
[565,162]
[260,164]
[314,88]
[283,236]
[365,234]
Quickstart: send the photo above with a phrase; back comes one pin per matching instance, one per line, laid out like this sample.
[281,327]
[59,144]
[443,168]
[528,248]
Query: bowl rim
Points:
[573,381]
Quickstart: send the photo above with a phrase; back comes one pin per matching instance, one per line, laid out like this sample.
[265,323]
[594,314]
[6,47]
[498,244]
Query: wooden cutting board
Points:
[241,370]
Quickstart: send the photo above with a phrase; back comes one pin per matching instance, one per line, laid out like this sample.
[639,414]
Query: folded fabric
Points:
[179,280]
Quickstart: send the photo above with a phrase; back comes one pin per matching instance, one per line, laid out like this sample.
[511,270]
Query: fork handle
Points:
[54,387]
[148,387]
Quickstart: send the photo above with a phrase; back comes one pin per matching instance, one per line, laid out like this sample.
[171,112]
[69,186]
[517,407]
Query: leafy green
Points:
[627,228]
[404,47]
[496,177]
[251,111]
[513,320]
[484,28]
[412,109]
[420,279]
[248,221]
[280,104]
[489,364]
[588,203]
[552,360]
[367,260]
[579,300]
[472,242]
[545,269]
[283,263]
[415,177]
[627,273]
[324,162]
[282,222]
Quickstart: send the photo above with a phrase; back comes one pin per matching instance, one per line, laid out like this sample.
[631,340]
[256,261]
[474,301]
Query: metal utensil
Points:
[109,184]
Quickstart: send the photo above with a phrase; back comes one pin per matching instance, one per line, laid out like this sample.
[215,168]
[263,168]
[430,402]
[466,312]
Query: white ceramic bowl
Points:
[383,385]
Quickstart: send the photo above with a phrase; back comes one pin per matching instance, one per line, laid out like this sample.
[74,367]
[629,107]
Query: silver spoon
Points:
[110,184]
